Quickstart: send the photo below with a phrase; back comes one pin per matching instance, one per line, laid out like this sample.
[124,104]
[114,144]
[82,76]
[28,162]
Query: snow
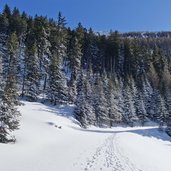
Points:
[42,146]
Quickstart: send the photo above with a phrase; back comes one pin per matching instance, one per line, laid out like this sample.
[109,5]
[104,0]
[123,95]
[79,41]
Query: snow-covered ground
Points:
[42,146]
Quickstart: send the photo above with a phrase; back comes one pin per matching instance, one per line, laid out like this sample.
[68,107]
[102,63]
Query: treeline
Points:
[118,78]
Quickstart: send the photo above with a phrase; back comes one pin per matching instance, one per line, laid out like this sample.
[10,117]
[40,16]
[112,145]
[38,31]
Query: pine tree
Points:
[89,97]
[42,34]
[91,52]
[8,112]
[140,108]
[81,107]
[7,11]
[32,76]
[129,114]
[17,24]
[168,129]
[80,32]
[167,78]
[57,90]
[163,115]
[4,23]
[138,103]
[158,60]
[1,76]
[75,55]
[57,87]
[112,52]
[115,109]
[128,55]
[147,98]
[100,103]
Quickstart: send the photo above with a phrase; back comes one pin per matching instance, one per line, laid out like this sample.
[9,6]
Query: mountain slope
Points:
[43,145]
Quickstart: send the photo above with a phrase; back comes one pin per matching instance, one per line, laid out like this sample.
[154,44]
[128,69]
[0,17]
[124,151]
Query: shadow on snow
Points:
[147,132]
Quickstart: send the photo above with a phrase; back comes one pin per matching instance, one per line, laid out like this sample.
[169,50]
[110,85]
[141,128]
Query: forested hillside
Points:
[117,78]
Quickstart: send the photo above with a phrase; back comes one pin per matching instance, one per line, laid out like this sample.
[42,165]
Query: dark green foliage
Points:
[32,75]
[7,11]
[8,112]
[112,52]
[4,23]
[17,23]
[75,56]
[57,90]
[112,79]
[80,110]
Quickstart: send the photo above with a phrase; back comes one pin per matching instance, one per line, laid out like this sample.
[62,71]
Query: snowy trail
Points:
[109,158]
[42,146]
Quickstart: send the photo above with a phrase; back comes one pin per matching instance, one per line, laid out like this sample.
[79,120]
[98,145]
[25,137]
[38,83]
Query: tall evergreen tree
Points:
[17,23]
[32,73]
[7,11]
[42,35]
[100,103]
[80,110]
[75,55]
[4,24]
[57,91]
[115,110]
[8,112]
[89,97]
[129,114]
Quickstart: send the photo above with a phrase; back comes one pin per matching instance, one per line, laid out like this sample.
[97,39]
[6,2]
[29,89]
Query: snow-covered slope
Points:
[42,146]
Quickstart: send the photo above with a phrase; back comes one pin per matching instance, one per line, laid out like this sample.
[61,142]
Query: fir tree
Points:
[100,103]
[32,76]
[8,112]
[75,55]
[129,114]
[4,24]
[57,90]
[7,11]
[17,23]
[89,106]
[115,109]
[80,110]
[57,87]
[164,114]
[42,34]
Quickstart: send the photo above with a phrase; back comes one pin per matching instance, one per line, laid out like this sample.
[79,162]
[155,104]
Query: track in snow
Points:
[108,157]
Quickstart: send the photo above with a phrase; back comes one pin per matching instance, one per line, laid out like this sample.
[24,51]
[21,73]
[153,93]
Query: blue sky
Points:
[103,15]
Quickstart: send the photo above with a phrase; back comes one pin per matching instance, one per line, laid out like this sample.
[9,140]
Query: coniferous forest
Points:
[115,78]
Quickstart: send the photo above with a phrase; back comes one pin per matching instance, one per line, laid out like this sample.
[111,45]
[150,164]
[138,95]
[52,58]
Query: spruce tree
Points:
[89,97]
[42,35]
[17,24]
[4,24]
[112,52]
[81,107]
[164,114]
[100,103]
[57,86]
[32,73]
[129,114]
[113,100]
[138,103]
[7,11]
[1,76]
[8,112]
[75,55]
